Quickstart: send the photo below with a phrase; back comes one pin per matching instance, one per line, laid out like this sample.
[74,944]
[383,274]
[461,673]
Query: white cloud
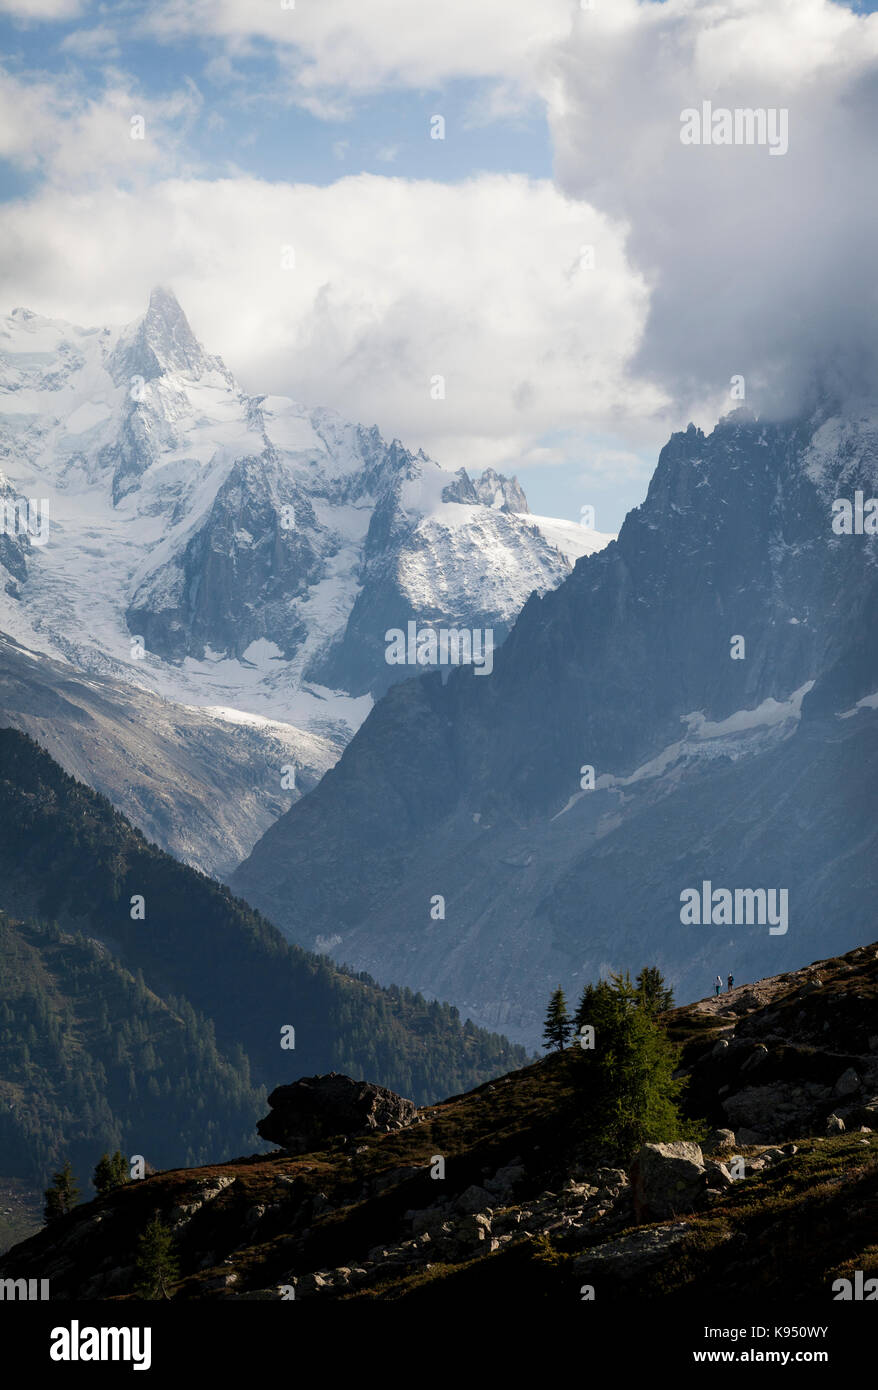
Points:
[77,139]
[395,283]
[100,42]
[42,9]
[346,46]
[737,262]
[760,266]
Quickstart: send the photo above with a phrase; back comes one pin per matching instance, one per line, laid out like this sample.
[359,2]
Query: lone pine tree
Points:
[557,1027]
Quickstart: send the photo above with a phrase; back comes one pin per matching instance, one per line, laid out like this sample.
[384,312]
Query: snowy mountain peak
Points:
[162,342]
[235,550]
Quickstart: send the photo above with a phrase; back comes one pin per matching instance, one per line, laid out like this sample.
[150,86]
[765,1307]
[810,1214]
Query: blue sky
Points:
[238,126]
[316,121]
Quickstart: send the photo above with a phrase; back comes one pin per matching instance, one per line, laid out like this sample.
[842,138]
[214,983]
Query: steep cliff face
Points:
[712,666]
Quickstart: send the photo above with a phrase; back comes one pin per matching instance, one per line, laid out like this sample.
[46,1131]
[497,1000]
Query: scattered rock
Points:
[718,1175]
[632,1253]
[609,1179]
[474,1199]
[506,1180]
[835,1125]
[719,1141]
[847,1084]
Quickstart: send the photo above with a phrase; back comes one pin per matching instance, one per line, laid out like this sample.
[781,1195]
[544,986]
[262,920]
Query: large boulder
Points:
[667,1179]
[316,1108]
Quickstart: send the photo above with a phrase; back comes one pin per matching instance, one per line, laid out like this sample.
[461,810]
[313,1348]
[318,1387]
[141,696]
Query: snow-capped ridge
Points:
[193,523]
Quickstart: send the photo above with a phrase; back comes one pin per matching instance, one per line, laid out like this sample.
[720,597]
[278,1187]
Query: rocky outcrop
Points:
[667,1179]
[316,1108]
[798,1052]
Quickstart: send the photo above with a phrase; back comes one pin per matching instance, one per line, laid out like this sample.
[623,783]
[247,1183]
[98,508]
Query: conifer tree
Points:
[557,1027]
[632,1096]
[156,1268]
[595,1005]
[111,1171]
[655,995]
[62,1196]
[585,1008]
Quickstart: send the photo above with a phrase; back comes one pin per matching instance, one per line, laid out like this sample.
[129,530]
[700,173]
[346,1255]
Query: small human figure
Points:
[731,983]
[719,983]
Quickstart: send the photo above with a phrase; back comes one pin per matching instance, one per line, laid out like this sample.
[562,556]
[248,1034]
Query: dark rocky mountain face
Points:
[236,578]
[750,766]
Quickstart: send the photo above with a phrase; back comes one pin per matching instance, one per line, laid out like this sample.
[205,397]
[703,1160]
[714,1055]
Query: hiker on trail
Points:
[731,983]
[719,983]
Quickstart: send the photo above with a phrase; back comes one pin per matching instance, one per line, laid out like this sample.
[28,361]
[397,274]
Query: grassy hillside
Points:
[526,1207]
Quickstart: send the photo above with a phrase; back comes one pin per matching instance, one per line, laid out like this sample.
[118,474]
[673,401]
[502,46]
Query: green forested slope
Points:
[171,1062]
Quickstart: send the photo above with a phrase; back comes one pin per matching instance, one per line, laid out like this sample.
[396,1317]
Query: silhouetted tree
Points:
[557,1027]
